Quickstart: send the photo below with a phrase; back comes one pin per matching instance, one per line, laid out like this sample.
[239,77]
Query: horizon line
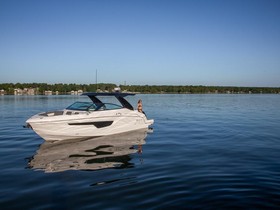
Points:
[139,84]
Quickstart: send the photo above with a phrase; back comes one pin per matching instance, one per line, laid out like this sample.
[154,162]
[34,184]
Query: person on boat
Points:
[140,106]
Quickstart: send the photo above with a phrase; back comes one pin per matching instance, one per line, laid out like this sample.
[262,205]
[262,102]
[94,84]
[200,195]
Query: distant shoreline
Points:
[77,89]
[145,93]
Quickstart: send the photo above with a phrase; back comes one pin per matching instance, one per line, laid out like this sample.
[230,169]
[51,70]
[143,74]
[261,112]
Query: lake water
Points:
[206,151]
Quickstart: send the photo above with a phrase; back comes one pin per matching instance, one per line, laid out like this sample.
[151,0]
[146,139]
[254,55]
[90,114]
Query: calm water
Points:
[206,151]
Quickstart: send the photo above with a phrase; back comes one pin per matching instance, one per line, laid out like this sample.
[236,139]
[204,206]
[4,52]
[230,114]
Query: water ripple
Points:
[206,152]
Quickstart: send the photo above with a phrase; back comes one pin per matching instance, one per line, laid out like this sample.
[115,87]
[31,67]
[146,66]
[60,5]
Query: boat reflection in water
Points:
[91,154]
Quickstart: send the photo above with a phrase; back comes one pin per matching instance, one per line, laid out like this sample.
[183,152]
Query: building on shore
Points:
[2,92]
[79,92]
[48,92]
[117,89]
[18,91]
[29,91]
[25,91]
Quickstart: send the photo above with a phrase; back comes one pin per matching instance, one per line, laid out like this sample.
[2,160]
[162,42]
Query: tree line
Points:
[66,88]
[60,87]
[198,89]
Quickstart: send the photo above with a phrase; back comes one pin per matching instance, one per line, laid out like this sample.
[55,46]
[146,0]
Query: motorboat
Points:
[113,151]
[90,119]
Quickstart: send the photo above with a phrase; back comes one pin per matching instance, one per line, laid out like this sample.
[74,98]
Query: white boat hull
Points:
[87,124]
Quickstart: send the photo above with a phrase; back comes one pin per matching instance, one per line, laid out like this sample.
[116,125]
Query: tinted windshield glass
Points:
[108,106]
[82,106]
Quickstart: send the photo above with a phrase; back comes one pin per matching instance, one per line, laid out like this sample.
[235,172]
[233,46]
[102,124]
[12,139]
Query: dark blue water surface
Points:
[206,151]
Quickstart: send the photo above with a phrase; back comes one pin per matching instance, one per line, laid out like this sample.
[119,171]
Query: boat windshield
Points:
[108,106]
[88,106]
[82,106]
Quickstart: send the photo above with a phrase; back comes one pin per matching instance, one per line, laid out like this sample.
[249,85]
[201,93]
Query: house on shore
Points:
[48,92]
[79,92]
[25,91]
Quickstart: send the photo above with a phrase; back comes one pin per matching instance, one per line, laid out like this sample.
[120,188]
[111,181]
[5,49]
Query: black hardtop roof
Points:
[120,96]
[116,94]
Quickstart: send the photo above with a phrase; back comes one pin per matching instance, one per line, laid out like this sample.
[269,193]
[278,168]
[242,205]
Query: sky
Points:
[141,42]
